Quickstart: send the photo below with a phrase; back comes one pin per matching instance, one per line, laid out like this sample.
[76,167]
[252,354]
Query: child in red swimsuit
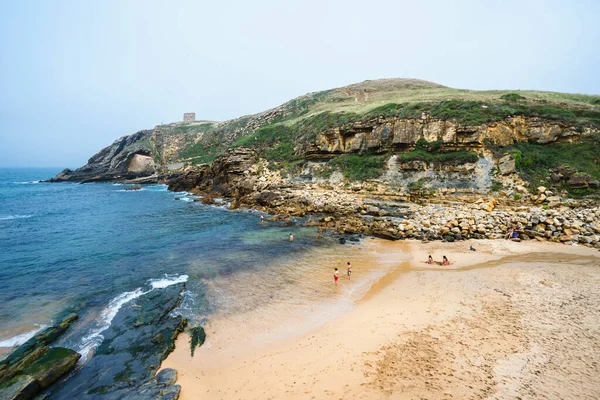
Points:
[336,275]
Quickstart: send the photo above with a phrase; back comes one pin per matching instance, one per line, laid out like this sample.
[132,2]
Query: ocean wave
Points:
[22,338]
[27,182]
[167,281]
[15,216]
[94,338]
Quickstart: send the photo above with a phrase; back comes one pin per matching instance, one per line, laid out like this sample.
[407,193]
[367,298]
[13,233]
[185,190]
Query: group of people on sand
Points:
[336,273]
[443,262]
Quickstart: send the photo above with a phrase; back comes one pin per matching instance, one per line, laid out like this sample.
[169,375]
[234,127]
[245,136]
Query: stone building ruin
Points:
[189,117]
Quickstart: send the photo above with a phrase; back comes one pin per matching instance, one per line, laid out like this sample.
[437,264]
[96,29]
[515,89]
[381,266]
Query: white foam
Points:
[95,337]
[167,281]
[22,338]
[27,182]
[16,216]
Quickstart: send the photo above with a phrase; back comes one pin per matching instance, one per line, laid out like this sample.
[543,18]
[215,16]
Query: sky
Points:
[77,75]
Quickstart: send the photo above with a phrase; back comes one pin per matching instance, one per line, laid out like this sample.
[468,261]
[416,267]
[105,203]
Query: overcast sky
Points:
[77,75]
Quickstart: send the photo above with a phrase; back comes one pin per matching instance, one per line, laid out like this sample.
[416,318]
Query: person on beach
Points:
[445,261]
[349,269]
[336,275]
[291,237]
[430,260]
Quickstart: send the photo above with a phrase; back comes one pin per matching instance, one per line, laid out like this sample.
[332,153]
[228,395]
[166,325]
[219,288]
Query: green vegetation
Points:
[429,152]
[512,97]
[496,186]
[359,167]
[191,128]
[197,338]
[517,196]
[534,161]
[477,113]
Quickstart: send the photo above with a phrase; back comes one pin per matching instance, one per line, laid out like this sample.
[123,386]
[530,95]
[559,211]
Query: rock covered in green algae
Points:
[125,363]
[51,366]
[34,366]
[19,387]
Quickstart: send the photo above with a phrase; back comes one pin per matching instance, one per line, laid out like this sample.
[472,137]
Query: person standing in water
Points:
[336,275]
[349,269]
[291,237]
[445,261]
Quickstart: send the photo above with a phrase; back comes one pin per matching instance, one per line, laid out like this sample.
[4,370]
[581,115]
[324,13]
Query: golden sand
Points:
[508,320]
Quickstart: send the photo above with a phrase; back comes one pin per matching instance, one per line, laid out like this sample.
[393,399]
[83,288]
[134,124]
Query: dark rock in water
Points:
[33,366]
[180,181]
[140,337]
[19,387]
[134,187]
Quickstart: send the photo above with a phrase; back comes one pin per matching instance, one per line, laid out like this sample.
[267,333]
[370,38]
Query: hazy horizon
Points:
[77,76]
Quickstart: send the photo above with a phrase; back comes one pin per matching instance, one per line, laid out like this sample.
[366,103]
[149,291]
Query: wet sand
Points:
[508,320]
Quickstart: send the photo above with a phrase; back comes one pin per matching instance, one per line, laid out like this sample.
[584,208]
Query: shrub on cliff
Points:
[429,152]
[512,97]
[534,161]
[359,167]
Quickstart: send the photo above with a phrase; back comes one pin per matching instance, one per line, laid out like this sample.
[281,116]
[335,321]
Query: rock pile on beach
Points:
[565,225]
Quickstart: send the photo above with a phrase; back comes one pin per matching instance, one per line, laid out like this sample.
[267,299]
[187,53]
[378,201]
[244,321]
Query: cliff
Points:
[129,157]
[404,131]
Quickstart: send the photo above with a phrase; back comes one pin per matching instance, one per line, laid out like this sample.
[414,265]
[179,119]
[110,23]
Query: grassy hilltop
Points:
[283,133]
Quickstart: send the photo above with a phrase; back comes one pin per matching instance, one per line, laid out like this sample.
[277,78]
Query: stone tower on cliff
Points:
[189,117]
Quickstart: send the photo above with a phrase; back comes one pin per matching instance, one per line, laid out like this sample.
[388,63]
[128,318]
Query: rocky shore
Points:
[125,365]
[379,209]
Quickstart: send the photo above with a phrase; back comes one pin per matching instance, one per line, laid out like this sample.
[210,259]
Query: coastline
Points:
[494,323]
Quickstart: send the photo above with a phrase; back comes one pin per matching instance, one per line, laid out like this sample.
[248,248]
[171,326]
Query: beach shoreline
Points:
[493,323]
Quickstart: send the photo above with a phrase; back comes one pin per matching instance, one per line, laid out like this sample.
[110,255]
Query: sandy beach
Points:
[509,320]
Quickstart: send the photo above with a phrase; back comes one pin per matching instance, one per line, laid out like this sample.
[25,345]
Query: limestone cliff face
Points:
[394,134]
[127,158]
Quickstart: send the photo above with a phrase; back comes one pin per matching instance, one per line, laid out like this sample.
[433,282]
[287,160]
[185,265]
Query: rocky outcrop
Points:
[140,336]
[34,366]
[230,175]
[129,157]
[573,179]
[396,134]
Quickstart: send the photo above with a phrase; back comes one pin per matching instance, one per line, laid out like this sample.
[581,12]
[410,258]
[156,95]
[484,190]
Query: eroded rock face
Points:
[127,158]
[393,134]
[230,175]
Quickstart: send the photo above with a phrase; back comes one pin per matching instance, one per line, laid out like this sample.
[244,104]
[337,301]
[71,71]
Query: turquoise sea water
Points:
[89,247]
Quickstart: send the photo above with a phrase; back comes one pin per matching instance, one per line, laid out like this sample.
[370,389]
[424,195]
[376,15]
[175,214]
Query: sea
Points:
[90,248]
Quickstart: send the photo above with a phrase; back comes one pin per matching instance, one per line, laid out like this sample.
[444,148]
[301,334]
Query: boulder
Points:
[506,164]
[491,205]
[167,376]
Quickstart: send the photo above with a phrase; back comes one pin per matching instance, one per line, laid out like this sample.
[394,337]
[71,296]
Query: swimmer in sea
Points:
[291,237]
[445,261]
[430,260]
